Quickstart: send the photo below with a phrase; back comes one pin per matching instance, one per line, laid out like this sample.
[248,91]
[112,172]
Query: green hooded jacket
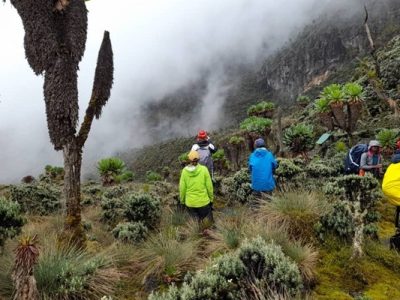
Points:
[195,186]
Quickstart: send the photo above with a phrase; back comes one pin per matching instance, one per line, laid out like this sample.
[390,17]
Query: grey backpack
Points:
[206,158]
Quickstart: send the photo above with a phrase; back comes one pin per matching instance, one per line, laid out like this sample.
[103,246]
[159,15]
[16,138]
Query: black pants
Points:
[396,220]
[200,213]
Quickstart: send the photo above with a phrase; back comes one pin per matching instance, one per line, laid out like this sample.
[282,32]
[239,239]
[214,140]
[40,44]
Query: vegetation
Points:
[303,100]
[256,125]
[36,198]
[261,108]
[11,220]
[130,232]
[152,176]
[387,138]
[299,138]
[112,170]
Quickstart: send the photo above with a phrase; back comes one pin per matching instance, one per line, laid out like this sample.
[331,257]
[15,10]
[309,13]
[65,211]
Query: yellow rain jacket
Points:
[391,184]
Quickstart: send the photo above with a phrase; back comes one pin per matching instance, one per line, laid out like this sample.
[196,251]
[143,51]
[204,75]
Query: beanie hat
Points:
[259,143]
[202,135]
[373,143]
[193,155]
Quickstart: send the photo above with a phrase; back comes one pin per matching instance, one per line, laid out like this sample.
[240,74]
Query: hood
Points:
[373,143]
[260,152]
[192,170]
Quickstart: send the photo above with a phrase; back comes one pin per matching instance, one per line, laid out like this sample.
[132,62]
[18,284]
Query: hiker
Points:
[196,189]
[371,161]
[262,165]
[391,189]
[205,148]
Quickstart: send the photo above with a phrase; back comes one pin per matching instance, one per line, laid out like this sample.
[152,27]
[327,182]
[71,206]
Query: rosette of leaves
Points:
[130,232]
[183,159]
[37,198]
[353,92]
[109,169]
[256,125]
[54,172]
[11,220]
[387,138]
[236,140]
[303,100]
[140,207]
[262,109]
[334,93]
[299,138]
[152,176]
[220,161]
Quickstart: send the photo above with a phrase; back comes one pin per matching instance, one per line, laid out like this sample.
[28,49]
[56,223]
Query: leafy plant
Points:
[238,187]
[109,168]
[36,198]
[130,232]
[303,99]
[322,105]
[341,146]
[260,107]
[183,158]
[54,172]
[236,140]
[11,220]
[353,91]
[142,208]
[152,176]
[256,124]
[124,177]
[299,138]
[387,138]
[334,93]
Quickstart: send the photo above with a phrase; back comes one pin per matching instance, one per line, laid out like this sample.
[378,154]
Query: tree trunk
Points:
[73,230]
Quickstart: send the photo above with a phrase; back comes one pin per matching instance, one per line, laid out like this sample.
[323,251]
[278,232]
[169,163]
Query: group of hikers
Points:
[196,181]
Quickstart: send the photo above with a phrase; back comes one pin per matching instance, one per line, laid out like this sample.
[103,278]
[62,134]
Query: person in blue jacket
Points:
[262,165]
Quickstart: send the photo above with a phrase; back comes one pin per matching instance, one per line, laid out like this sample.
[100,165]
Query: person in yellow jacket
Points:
[391,185]
[196,188]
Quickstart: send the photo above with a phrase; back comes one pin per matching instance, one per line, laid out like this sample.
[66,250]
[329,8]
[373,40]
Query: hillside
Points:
[325,51]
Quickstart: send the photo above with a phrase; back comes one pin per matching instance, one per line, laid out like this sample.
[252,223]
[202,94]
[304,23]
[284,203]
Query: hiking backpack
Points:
[353,158]
[206,158]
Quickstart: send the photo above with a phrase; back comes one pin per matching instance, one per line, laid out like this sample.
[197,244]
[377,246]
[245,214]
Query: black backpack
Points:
[353,158]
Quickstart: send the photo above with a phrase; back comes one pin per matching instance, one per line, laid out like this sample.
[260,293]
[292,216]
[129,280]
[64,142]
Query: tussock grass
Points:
[297,211]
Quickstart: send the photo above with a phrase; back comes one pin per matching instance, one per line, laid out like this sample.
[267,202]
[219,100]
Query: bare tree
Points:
[55,39]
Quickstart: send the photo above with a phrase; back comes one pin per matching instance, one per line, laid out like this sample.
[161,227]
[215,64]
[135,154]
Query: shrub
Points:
[267,261]
[113,205]
[238,187]
[11,221]
[256,125]
[152,176]
[299,138]
[41,198]
[287,168]
[142,207]
[70,273]
[183,158]
[340,146]
[320,169]
[338,221]
[109,168]
[130,232]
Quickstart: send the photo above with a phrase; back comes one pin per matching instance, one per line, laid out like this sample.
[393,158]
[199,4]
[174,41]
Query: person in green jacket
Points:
[196,188]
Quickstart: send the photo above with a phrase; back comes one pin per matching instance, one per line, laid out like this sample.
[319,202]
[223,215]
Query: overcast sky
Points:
[159,46]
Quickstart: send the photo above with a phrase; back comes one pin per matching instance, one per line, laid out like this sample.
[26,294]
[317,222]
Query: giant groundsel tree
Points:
[55,39]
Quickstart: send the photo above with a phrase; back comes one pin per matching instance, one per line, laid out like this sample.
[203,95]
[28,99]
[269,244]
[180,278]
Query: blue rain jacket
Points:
[262,165]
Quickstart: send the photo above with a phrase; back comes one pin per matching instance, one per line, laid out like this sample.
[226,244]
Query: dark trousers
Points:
[200,213]
[396,220]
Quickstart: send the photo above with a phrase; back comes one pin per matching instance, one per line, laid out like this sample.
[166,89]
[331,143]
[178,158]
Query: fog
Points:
[159,46]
